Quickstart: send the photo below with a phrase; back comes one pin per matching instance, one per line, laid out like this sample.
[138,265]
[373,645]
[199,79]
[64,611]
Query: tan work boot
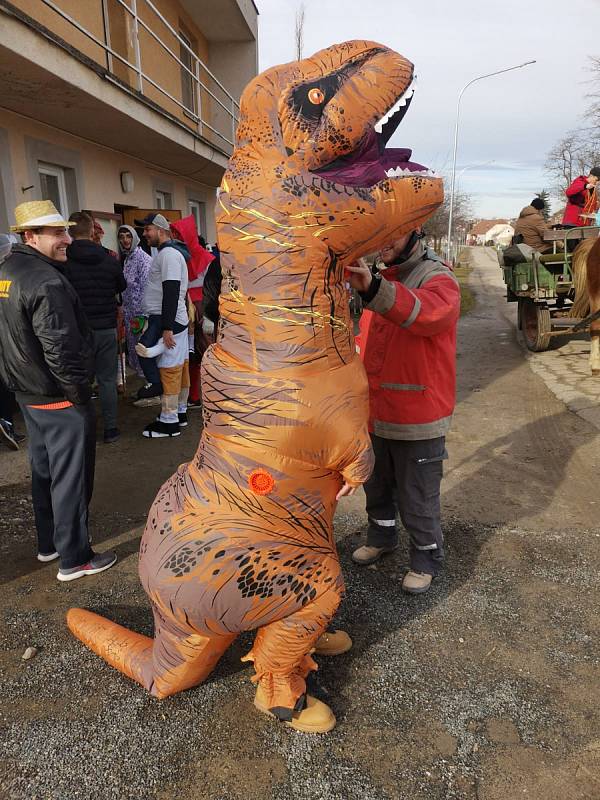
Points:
[369,555]
[315,717]
[333,643]
[416,582]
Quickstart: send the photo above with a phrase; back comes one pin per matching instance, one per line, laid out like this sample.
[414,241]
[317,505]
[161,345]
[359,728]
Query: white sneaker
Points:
[98,563]
[47,556]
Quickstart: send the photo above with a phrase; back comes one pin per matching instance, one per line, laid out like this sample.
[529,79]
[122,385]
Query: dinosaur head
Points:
[310,187]
[333,114]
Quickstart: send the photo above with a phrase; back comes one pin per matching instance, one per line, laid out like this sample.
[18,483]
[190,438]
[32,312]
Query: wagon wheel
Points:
[534,321]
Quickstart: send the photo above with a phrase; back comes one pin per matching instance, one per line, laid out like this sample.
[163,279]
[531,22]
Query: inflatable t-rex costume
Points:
[241,537]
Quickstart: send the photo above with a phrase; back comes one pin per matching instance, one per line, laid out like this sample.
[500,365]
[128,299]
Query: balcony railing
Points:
[134,53]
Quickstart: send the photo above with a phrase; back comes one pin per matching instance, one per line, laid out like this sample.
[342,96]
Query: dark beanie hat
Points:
[595,171]
[538,203]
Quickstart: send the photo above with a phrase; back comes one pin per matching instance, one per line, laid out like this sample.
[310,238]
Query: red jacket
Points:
[185,230]
[407,342]
[577,198]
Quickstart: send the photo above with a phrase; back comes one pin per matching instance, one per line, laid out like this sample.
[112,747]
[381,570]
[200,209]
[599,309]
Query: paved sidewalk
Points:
[566,372]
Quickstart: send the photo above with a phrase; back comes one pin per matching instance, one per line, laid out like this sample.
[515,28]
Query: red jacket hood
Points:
[185,230]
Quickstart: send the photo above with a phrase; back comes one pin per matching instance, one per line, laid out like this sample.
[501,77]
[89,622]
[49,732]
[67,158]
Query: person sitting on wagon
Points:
[582,199]
[531,225]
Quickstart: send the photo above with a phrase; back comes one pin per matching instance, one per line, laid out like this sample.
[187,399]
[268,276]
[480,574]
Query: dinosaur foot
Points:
[129,652]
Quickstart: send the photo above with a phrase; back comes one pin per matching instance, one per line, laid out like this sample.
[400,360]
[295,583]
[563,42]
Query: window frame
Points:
[160,198]
[184,57]
[58,172]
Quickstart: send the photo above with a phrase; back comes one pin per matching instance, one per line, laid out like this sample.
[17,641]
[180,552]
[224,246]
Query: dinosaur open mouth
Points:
[372,161]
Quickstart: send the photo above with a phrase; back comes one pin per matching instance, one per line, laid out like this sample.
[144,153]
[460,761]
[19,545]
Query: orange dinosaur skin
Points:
[241,538]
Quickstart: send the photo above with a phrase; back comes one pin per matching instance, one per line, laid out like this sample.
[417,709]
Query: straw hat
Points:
[38,214]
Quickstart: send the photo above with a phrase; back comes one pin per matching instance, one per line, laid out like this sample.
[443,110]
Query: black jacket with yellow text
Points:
[45,339]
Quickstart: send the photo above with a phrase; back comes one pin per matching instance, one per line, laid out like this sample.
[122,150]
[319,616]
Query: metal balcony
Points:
[145,54]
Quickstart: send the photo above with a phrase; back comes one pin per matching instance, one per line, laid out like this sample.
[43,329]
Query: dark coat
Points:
[45,339]
[212,290]
[98,279]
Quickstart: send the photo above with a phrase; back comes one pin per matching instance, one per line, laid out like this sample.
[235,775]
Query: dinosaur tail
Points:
[129,652]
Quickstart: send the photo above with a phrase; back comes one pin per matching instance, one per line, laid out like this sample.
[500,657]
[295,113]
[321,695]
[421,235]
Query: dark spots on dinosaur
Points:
[182,562]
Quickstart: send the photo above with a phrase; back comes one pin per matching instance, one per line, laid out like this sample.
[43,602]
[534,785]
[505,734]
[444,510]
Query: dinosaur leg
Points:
[175,660]
[281,653]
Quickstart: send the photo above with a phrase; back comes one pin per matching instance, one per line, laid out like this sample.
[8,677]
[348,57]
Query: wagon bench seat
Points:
[552,258]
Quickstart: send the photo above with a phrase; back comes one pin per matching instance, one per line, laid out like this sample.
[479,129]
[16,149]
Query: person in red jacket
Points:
[407,343]
[582,198]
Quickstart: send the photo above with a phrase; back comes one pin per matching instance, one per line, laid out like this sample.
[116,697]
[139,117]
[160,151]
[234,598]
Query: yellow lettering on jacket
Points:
[4,287]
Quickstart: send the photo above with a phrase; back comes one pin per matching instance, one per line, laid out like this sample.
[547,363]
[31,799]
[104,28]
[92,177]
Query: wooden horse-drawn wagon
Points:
[543,287]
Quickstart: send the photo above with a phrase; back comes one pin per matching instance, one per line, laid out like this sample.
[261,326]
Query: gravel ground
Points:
[483,689]
[435,691]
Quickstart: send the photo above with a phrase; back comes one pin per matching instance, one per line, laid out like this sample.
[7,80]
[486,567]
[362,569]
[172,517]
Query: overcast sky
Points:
[511,120]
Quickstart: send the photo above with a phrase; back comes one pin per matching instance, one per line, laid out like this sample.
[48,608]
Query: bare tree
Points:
[436,227]
[299,31]
[573,155]
[579,149]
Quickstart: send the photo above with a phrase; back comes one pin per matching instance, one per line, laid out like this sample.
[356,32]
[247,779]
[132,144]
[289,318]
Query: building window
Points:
[198,210]
[53,186]
[163,199]
[188,84]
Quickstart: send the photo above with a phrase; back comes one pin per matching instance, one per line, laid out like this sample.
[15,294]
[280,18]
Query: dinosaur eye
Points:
[316,96]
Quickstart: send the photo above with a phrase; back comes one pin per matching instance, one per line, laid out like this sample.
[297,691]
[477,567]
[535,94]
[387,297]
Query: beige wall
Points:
[95,171]
[229,61]
[87,13]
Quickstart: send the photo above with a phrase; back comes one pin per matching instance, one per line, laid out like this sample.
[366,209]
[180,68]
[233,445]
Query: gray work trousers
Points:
[62,451]
[406,479]
[106,368]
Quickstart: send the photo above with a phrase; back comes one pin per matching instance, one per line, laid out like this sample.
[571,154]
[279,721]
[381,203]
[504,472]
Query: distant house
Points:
[501,234]
[485,230]
[557,217]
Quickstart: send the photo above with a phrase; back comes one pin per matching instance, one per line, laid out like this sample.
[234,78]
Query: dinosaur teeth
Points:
[401,103]
[397,172]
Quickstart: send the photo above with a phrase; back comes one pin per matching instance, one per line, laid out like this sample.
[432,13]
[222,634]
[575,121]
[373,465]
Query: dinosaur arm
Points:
[360,462]
[427,311]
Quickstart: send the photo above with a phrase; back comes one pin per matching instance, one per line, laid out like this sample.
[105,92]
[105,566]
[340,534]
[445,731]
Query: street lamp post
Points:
[462,91]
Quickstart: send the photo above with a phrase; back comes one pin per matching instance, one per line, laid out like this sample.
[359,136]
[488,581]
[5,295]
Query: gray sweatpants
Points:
[62,451]
[407,478]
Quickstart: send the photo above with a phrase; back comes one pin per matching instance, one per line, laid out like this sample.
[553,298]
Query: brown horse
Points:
[586,274]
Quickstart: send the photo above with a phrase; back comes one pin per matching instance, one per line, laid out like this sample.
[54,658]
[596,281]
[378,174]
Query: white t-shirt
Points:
[167,265]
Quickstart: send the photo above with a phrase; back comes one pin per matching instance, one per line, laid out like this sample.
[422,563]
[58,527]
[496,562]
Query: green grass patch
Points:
[467,298]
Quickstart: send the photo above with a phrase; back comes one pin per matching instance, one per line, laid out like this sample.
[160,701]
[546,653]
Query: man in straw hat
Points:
[45,358]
